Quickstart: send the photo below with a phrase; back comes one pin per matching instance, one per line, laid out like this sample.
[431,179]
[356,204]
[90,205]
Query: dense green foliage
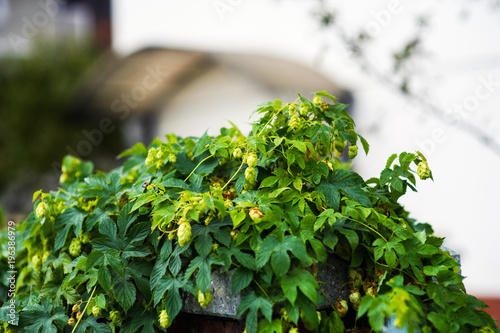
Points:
[116,251]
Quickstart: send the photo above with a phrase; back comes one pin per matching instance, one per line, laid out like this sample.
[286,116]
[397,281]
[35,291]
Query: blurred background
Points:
[92,77]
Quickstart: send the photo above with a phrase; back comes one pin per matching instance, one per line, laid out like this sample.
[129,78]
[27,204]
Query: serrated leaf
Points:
[71,217]
[255,304]
[241,279]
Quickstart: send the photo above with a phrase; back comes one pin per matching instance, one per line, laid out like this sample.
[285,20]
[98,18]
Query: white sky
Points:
[462,203]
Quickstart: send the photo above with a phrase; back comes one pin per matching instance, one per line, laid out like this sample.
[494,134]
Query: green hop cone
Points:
[160,155]
[252,159]
[37,263]
[321,148]
[250,174]
[96,311]
[353,151]
[184,233]
[355,298]
[41,210]
[115,316]
[164,319]
[150,160]
[204,298]
[305,110]
[294,123]
[292,110]
[85,237]
[339,144]
[423,170]
[237,153]
[71,321]
[317,100]
[172,158]
[75,248]
[228,204]
[294,330]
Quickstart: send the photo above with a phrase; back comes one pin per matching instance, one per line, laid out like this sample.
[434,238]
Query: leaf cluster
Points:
[128,246]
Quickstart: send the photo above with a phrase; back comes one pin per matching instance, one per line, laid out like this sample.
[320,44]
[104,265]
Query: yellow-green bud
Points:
[115,316]
[76,307]
[159,154]
[164,319]
[355,298]
[184,233]
[234,234]
[293,330]
[339,144]
[37,263]
[150,160]
[96,311]
[252,159]
[172,158]
[423,170]
[305,110]
[78,315]
[71,321]
[317,100]
[41,210]
[250,174]
[228,204]
[353,151]
[294,123]
[85,237]
[75,248]
[292,110]
[237,153]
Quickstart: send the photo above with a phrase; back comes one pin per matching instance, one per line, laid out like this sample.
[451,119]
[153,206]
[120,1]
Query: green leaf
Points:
[241,279]
[325,94]
[255,304]
[125,294]
[347,181]
[71,217]
[138,148]
[299,279]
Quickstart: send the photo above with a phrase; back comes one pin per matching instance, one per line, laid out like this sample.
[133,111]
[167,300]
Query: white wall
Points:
[462,203]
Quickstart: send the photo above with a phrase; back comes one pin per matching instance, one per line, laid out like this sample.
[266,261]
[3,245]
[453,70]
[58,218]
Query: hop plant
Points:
[37,263]
[75,248]
[96,311]
[341,307]
[204,298]
[339,144]
[115,316]
[355,298]
[184,233]
[292,109]
[256,214]
[85,237]
[252,160]
[41,210]
[71,321]
[76,308]
[423,170]
[250,174]
[294,123]
[305,110]
[172,158]
[237,153]
[164,319]
[353,151]
[317,100]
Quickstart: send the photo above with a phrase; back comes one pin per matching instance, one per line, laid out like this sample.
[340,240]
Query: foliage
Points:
[118,251]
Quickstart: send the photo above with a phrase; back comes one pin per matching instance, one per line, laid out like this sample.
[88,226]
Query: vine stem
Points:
[203,160]
[86,305]
[232,177]
[326,297]
[367,226]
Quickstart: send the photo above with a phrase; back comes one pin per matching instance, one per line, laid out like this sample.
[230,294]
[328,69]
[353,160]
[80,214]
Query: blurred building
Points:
[154,92]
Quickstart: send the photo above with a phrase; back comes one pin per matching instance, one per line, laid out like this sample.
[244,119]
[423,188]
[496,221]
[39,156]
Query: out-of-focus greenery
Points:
[36,92]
